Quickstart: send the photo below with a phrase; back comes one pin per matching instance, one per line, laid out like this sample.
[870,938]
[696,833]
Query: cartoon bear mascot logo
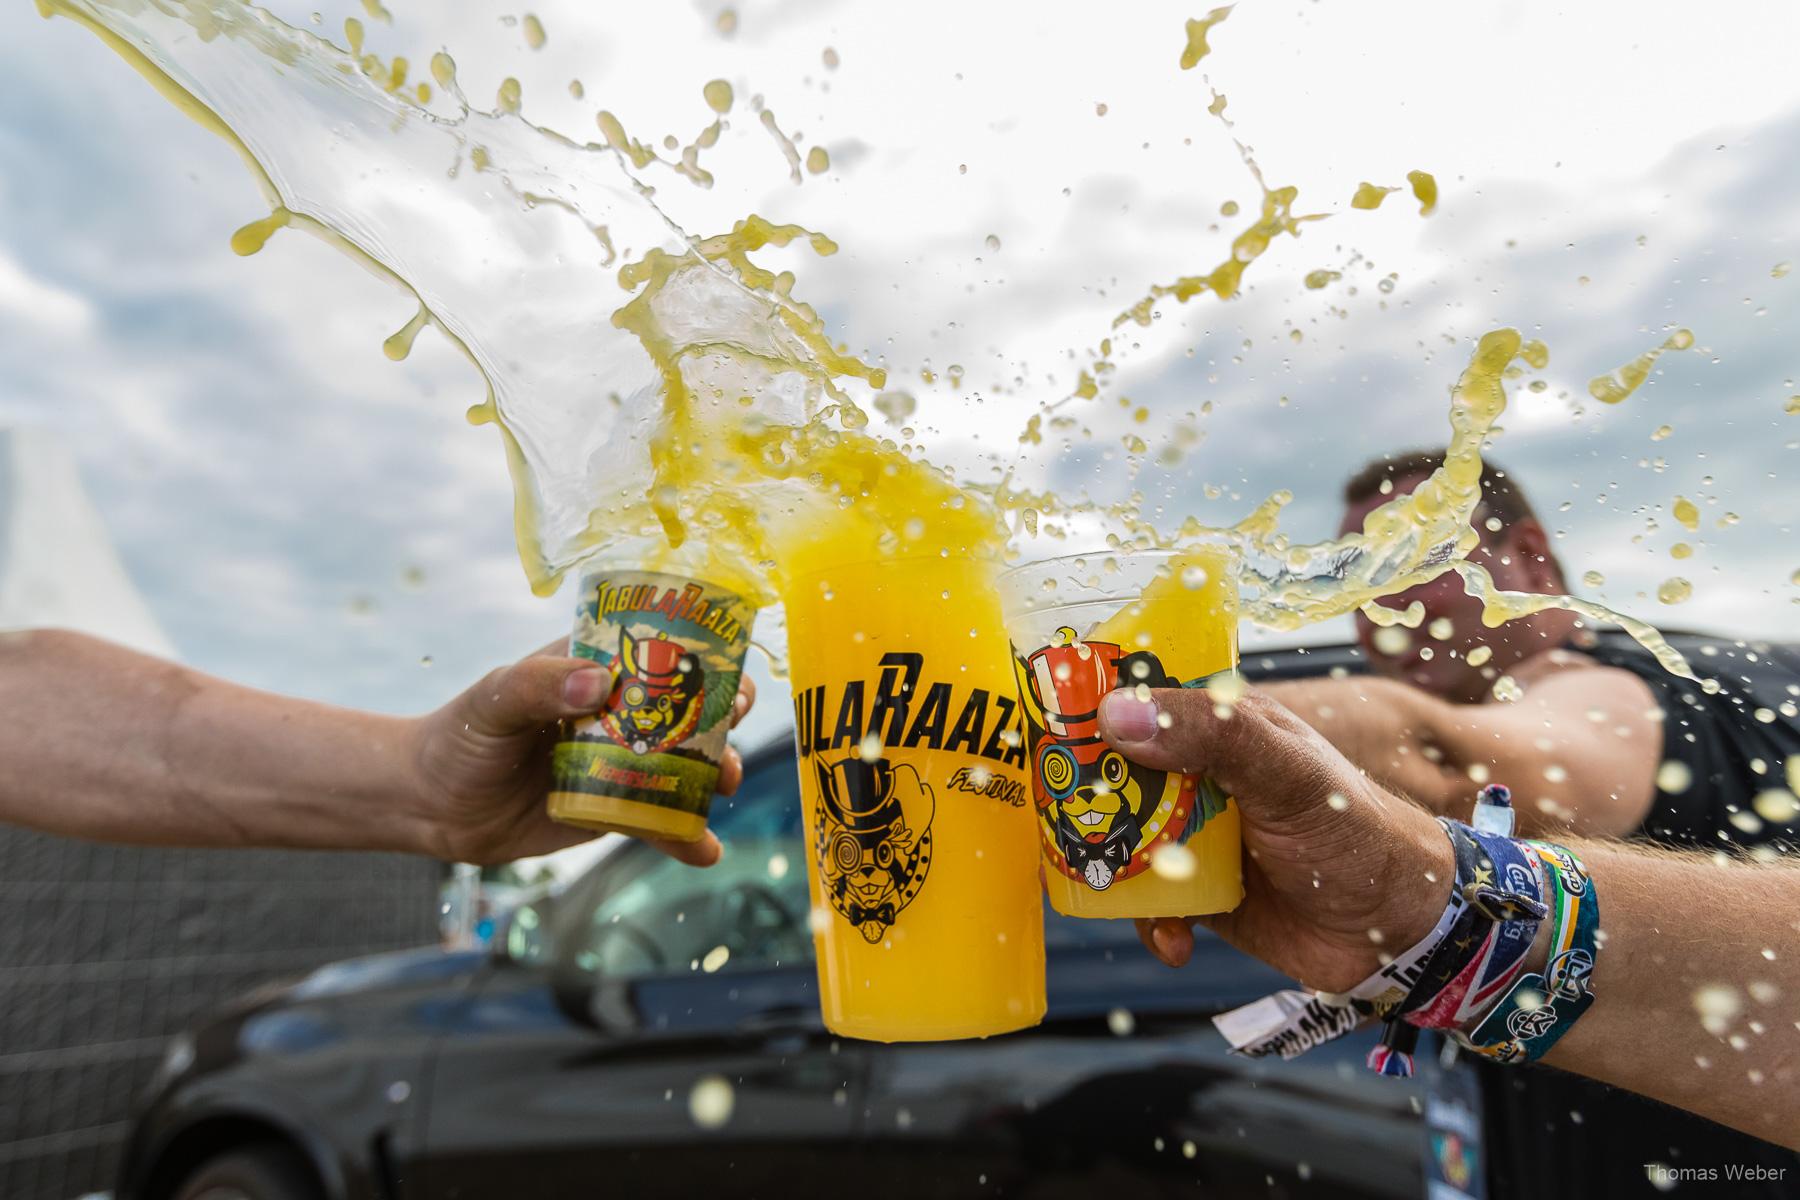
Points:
[1100,814]
[656,702]
[874,840]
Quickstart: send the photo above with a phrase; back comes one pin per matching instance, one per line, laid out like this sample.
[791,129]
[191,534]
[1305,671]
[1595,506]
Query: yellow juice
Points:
[926,913]
[1118,839]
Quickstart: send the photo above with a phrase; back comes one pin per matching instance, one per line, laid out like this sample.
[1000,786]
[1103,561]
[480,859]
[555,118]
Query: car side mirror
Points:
[603,1003]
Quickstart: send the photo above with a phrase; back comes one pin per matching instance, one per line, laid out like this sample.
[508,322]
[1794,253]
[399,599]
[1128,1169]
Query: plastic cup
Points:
[926,910]
[1119,839]
[648,763]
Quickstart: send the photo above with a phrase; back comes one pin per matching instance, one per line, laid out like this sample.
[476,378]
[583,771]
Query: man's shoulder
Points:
[1577,664]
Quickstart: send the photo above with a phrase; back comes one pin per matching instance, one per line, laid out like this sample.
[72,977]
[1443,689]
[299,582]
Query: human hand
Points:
[482,762]
[1336,869]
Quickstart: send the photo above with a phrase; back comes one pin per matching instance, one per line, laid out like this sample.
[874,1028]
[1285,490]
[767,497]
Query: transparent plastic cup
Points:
[926,909]
[1119,839]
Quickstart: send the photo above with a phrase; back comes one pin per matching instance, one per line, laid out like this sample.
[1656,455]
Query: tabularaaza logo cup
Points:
[874,840]
[1100,814]
[658,697]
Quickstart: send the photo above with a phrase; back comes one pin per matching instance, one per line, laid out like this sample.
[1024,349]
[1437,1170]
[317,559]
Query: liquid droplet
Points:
[1674,590]
[710,1101]
[1197,29]
[1425,190]
[252,237]
[1674,777]
[1615,386]
[400,343]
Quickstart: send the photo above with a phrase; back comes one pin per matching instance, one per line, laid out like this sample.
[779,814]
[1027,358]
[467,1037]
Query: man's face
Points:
[1421,656]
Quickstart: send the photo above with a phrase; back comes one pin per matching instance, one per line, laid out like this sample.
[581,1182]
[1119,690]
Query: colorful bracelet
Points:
[1495,885]
[1469,971]
[1539,1009]
[1485,952]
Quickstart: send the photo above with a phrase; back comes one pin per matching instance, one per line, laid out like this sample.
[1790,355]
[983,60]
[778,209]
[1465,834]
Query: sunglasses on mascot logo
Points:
[636,695]
[1060,770]
[851,855]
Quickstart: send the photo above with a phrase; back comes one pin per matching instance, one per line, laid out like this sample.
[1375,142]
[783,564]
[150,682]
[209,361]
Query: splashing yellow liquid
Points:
[1369,196]
[725,427]
[1686,512]
[1619,383]
[1424,190]
[1197,29]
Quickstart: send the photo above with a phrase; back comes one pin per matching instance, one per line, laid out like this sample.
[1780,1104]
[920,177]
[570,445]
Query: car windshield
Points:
[640,912]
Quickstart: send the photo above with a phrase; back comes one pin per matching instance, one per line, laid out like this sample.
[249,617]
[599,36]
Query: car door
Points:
[688,1056]
[1126,1088]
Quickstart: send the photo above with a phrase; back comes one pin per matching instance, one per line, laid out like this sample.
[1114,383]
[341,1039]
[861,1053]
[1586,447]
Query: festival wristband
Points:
[1501,956]
[1540,1008]
[1290,1022]
[1502,892]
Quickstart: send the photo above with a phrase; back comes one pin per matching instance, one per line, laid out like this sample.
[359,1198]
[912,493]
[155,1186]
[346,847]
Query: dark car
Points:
[654,1030]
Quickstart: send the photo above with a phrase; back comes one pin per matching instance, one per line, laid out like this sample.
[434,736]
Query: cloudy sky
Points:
[303,514]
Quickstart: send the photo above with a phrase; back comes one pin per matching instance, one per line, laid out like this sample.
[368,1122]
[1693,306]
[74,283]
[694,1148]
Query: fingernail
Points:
[1125,718]
[586,688]
[1168,944]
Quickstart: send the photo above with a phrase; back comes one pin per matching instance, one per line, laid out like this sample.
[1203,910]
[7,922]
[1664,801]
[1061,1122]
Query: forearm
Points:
[1397,734]
[1578,751]
[99,742]
[1694,987]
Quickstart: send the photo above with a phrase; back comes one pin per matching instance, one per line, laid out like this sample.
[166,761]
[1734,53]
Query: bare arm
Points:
[99,742]
[1579,749]
[105,744]
[1694,987]
[1696,976]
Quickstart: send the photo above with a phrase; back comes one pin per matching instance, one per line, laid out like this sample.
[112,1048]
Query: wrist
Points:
[1420,882]
[415,800]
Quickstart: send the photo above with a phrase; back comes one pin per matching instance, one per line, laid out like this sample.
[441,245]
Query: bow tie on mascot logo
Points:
[1097,809]
[656,702]
[874,840]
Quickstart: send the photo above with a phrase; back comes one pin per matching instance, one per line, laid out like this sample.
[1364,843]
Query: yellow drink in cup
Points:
[920,851]
[1120,840]
[647,763]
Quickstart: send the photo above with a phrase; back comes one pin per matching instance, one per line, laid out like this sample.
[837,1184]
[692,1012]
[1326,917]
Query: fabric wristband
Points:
[1540,1009]
[1500,957]
[1495,882]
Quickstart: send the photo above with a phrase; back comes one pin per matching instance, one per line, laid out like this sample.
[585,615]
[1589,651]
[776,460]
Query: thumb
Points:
[534,692]
[1251,746]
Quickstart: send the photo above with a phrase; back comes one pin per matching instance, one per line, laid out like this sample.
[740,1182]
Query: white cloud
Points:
[240,412]
[41,306]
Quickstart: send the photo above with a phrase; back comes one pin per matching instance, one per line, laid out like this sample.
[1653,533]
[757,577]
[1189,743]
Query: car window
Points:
[651,915]
[1086,933]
